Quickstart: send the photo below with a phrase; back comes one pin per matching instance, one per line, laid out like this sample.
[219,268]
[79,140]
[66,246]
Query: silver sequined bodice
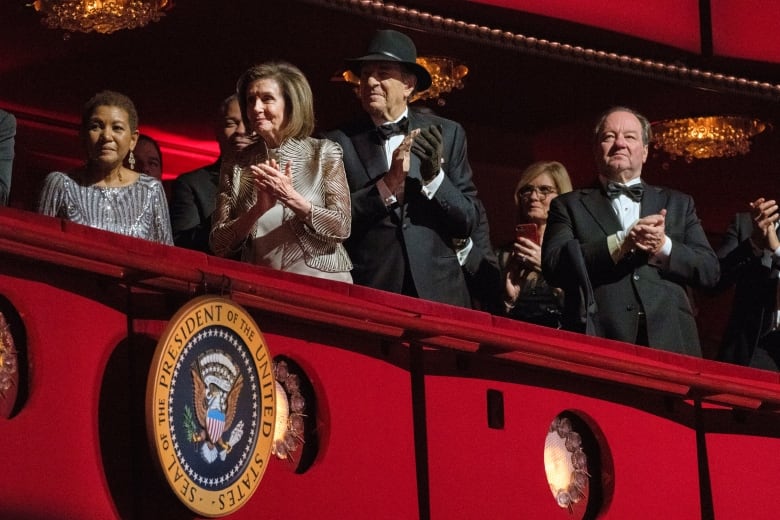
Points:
[138,210]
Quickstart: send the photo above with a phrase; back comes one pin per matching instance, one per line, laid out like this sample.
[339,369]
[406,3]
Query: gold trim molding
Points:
[433,23]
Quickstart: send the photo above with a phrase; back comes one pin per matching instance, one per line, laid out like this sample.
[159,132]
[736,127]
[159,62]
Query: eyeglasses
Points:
[543,191]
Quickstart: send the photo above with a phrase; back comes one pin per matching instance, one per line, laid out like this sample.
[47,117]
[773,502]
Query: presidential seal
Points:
[211,405]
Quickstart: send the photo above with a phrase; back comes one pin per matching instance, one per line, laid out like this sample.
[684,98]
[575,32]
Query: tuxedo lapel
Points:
[600,208]
[652,201]
[371,152]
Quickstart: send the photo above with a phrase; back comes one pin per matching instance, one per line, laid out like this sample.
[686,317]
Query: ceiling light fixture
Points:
[103,16]
[446,74]
[706,137]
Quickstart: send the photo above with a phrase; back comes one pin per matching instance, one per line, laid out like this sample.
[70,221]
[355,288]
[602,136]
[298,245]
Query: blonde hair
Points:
[555,169]
[298,98]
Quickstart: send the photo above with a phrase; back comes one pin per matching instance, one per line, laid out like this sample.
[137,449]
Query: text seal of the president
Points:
[211,406]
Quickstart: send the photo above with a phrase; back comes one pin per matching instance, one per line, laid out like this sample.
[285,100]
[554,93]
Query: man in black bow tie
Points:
[643,245]
[410,179]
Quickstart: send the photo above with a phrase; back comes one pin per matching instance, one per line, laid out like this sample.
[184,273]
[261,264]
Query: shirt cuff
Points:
[430,189]
[614,245]
[463,253]
[388,197]
[661,258]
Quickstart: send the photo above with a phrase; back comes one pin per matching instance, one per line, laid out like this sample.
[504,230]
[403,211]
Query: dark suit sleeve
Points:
[693,260]
[559,231]
[456,198]
[368,209]
[7,137]
[189,230]
[483,275]
[736,252]
[482,250]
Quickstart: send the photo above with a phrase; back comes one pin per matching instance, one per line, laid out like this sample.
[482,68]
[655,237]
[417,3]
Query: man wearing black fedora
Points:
[410,179]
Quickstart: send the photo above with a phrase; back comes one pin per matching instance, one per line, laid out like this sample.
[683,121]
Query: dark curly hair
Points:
[109,98]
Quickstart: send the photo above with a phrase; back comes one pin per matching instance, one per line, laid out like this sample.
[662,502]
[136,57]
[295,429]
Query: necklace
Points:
[107,179]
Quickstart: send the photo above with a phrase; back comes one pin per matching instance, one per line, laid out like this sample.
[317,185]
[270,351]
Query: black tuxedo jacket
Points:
[7,136]
[193,199]
[415,239]
[631,286]
[483,274]
[754,292]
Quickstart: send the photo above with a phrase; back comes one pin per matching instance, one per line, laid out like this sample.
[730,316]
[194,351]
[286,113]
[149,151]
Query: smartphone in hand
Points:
[529,231]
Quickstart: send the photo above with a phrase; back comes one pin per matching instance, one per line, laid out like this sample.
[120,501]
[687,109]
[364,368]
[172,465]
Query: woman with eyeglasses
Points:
[526,295]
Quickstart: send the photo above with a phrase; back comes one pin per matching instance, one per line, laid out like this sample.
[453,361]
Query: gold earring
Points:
[131,160]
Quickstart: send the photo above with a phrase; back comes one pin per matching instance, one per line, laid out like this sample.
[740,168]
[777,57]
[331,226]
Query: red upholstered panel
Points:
[737,464]
[53,443]
[746,29]
[78,445]
[502,470]
[671,22]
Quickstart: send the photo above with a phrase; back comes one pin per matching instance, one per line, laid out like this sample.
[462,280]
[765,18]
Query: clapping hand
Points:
[765,215]
[273,180]
[272,184]
[429,147]
[648,234]
[399,165]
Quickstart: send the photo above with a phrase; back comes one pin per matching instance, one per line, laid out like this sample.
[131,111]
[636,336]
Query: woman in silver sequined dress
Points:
[103,193]
[283,202]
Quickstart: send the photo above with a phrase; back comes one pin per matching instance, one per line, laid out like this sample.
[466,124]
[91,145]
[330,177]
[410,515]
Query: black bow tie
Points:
[388,130]
[632,192]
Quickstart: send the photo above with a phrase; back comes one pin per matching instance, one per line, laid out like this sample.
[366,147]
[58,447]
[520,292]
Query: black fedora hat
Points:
[389,45]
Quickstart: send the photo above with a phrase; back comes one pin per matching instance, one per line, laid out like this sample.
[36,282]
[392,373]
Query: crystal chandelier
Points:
[446,75]
[706,137]
[103,16]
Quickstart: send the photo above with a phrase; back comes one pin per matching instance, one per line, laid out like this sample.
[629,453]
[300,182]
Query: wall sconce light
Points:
[566,464]
[295,434]
[706,137]
[103,16]
[9,364]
